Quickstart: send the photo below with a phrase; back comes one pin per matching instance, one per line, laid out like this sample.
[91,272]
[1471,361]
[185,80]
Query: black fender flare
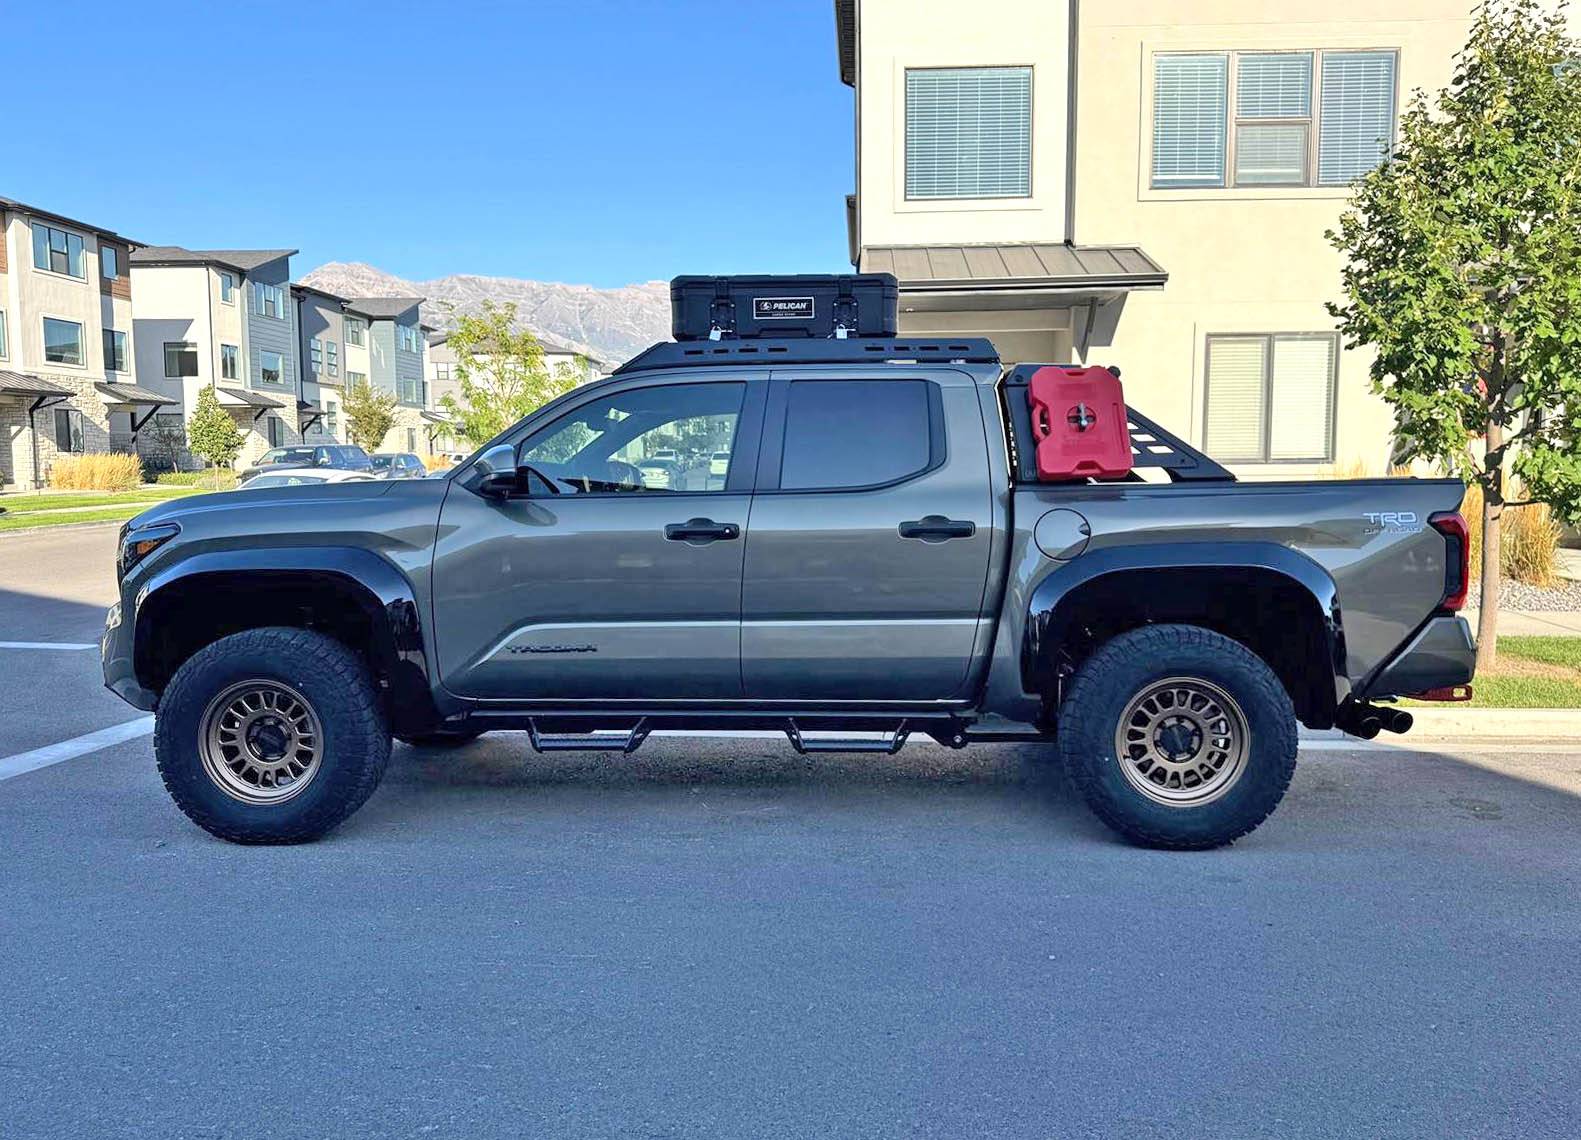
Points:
[383,594]
[1046,627]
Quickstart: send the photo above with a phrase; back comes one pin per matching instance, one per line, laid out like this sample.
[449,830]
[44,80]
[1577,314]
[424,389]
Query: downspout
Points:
[1070,122]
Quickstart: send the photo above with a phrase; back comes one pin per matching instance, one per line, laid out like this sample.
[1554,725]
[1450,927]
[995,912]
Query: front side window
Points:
[355,378]
[57,251]
[829,439]
[408,338]
[315,356]
[1271,398]
[230,362]
[969,132]
[1296,119]
[268,300]
[276,431]
[62,341]
[68,430]
[228,288]
[678,438]
[332,357]
[442,370]
[355,330]
[181,359]
[271,368]
[114,350]
[332,417]
[109,262]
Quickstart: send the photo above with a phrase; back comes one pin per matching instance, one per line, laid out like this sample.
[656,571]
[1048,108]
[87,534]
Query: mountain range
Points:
[608,324]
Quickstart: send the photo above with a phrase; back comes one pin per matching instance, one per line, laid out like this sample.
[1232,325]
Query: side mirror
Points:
[498,485]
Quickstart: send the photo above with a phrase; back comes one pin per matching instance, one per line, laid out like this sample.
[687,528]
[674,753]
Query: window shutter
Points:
[1357,126]
[1303,398]
[1236,366]
[969,132]
[1190,96]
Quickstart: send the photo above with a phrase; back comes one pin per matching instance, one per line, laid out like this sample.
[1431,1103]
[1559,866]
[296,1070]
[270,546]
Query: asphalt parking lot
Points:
[721,938]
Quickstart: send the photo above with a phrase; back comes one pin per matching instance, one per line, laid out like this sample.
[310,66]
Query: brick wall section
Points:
[257,433]
[95,420]
[16,460]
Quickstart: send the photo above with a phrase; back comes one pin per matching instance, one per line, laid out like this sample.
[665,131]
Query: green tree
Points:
[501,371]
[370,414]
[1464,274]
[211,433]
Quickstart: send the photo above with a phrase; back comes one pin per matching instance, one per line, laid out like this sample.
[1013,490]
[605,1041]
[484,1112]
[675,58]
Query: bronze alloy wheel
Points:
[261,742]
[1182,742]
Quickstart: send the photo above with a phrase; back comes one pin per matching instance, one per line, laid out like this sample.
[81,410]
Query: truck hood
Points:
[175,510]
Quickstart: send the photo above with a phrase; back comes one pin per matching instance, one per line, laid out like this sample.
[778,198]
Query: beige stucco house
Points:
[1142,183]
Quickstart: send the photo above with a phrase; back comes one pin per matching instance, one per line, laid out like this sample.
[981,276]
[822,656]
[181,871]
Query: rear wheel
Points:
[271,735]
[1178,737]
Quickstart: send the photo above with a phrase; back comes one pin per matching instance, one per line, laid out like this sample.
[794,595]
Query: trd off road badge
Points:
[1393,522]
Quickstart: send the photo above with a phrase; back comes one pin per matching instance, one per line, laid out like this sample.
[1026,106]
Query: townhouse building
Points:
[321,322]
[67,343]
[222,318]
[1146,184]
[388,351]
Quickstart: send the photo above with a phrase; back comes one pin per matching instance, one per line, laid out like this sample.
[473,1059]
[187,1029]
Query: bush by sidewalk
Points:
[98,472]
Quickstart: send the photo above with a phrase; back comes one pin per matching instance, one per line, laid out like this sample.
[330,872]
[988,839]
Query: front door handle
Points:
[937,528]
[701,530]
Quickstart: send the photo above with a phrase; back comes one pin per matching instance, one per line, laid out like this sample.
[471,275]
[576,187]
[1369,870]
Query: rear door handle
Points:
[937,528]
[701,530]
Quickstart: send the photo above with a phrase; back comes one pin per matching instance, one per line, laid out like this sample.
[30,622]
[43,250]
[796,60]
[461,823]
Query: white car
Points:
[304,476]
[719,463]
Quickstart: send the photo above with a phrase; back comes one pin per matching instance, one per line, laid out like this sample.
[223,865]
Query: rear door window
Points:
[845,434]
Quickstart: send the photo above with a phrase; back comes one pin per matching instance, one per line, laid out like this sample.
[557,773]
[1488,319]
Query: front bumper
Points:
[115,655]
[1441,654]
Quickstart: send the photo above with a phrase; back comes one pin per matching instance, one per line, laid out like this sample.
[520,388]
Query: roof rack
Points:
[848,350]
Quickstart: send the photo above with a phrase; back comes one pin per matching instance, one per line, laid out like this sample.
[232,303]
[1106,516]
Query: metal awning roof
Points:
[308,408]
[1046,268]
[131,394]
[242,398]
[24,384]
[434,417]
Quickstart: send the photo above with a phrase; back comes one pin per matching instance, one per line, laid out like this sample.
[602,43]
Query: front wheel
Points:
[271,735]
[1178,737]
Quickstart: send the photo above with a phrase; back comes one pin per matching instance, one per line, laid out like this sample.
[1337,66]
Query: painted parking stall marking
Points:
[68,645]
[37,758]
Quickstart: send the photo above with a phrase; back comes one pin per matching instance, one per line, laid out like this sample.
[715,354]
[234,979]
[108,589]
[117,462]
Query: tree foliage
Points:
[370,414]
[211,433]
[501,371]
[1463,272]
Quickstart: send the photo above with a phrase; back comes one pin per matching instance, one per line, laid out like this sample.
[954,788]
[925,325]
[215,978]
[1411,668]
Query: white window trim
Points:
[235,287]
[282,382]
[164,358]
[5,329]
[240,368]
[1146,192]
[1271,336]
[83,325]
[127,355]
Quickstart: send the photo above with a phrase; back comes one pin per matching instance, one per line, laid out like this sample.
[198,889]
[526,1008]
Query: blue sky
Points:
[591,141]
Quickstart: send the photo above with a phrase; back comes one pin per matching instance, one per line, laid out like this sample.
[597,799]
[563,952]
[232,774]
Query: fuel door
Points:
[1062,534]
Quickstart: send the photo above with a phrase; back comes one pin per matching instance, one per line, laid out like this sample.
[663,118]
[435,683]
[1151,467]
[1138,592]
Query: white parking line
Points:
[48,645]
[77,746]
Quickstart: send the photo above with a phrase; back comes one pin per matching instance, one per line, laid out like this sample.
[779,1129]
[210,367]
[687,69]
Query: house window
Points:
[332,418]
[68,430]
[411,439]
[57,251]
[356,331]
[408,338]
[332,357]
[315,356]
[355,378]
[4,351]
[276,431]
[271,368]
[411,390]
[228,288]
[442,370]
[114,351]
[969,132]
[268,300]
[109,262]
[1299,118]
[62,341]
[230,362]
[1270,398]
[181,359]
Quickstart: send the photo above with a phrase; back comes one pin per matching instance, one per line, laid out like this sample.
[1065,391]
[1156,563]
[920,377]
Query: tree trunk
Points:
[1492,510]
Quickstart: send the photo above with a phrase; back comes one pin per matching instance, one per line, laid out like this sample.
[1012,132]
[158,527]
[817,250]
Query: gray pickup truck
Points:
[849,543]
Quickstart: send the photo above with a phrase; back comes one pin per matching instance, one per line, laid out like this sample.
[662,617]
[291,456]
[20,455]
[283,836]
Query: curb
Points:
[9,531]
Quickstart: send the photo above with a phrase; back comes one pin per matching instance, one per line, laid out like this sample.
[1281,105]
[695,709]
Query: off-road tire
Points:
[336,684]
[1123,668]
[441,739]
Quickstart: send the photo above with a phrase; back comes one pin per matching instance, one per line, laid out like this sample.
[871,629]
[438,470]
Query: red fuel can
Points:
[1078,421]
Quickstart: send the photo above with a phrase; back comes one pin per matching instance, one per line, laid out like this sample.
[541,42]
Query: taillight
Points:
[1457,562]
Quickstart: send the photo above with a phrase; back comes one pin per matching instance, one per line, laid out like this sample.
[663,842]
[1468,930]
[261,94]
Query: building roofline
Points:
[845,39]
[50,215]
[214,257]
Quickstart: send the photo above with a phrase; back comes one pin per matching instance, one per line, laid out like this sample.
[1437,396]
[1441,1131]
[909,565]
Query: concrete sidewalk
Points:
[1554,623]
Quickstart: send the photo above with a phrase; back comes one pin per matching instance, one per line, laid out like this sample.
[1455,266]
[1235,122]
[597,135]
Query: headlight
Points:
[138,544]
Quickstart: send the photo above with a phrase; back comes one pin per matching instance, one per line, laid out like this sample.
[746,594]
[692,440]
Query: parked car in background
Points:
[659,474]
[719,463]
[397,465]
[304,477]
[345,457]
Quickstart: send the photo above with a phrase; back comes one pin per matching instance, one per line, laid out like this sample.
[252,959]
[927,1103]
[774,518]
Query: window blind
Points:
[1356,131]
[1274,86]
[1301,398]
[1190,100]
[969,132]
[1236,370]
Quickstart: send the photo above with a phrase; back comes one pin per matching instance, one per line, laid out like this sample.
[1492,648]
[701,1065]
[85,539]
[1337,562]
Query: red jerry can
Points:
[1079,423]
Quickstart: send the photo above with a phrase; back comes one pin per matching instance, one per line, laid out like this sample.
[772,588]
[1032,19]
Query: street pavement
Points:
[720,938]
